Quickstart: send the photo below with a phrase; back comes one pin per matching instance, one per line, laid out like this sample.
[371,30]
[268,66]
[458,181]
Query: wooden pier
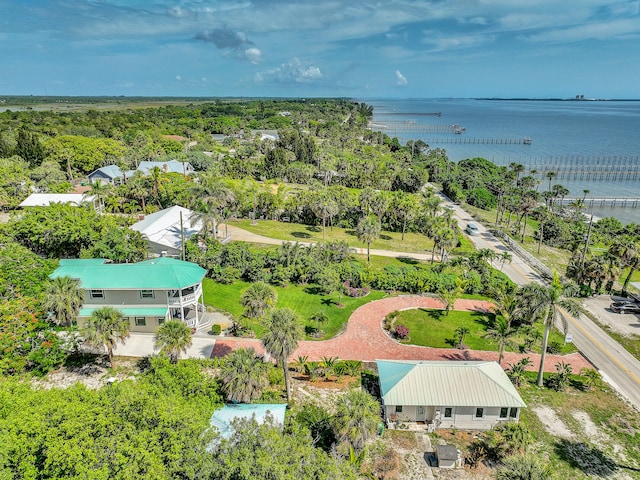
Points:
[613,202]
[579,167]
[479,141]
[414,127]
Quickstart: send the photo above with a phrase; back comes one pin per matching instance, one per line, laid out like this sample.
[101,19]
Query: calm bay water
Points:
[559,131]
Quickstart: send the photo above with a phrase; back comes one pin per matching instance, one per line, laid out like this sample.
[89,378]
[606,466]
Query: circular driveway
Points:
[364,339]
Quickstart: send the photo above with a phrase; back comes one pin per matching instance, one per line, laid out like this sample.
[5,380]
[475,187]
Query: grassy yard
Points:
[304,300]
[413,242]
[600,423]
[432,328]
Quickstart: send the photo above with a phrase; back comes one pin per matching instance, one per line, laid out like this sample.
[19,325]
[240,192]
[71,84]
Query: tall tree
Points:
[502,333]
[243,375]
[627,249]
[172,338]
[357,417]
[368,230]
[105,328]
[545,302]
[64,297]
[284,330]
[257,298]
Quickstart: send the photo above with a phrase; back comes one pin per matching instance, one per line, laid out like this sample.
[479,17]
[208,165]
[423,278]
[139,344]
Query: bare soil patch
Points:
[552,422]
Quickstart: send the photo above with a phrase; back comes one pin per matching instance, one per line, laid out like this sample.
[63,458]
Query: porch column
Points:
[181,307]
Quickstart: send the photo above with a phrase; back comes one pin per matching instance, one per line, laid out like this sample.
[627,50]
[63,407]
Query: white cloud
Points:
[178,77]
[401,80]
[293,72]
[253,54]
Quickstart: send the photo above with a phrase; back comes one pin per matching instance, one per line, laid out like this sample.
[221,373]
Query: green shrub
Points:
[216,329]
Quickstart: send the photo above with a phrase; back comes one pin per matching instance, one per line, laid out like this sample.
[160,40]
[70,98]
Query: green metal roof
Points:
[156,274]
[128,311]
[454,383]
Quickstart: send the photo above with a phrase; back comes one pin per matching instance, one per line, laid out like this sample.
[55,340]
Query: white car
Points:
[472,229]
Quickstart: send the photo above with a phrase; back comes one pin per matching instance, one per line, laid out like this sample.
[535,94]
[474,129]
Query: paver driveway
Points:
[364,339]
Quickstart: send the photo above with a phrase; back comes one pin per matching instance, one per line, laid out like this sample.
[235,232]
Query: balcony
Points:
[188,299]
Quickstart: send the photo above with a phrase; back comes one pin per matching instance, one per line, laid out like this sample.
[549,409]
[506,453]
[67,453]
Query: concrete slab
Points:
[141,345]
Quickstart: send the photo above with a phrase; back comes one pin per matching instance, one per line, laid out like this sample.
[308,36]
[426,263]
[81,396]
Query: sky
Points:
[321,48]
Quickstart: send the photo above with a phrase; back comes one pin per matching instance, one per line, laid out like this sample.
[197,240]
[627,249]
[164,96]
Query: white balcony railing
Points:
[189,299]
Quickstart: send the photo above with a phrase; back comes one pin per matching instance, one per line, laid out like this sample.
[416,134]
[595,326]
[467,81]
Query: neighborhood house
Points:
[454,394]
[148,292]
[165,230]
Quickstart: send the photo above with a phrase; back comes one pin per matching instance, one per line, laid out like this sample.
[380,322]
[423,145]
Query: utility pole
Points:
[586,241]
[182,237]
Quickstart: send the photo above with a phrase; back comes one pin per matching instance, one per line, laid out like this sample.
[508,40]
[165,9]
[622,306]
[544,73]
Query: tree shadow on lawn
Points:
[353,233]
[589,459]
[386,237]
[408,260]
[300,235]
[313,228]
[313,290]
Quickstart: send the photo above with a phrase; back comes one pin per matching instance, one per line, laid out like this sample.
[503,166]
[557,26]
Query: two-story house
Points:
[148,292]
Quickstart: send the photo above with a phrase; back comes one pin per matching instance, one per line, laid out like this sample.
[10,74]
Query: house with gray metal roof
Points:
[454,394]
[109,174]
[171,166]
[148,292]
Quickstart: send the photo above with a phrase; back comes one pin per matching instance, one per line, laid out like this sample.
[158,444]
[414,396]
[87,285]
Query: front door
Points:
[420,413]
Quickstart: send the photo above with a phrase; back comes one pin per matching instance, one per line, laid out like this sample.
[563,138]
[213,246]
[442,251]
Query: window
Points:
[448,412]
[140,321]
[504,411]
[147,294]
[97,293]
[398,408]
[160,320]
[479,412]
[513,413]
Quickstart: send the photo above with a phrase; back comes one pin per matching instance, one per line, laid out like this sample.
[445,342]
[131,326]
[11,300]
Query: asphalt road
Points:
[615,364]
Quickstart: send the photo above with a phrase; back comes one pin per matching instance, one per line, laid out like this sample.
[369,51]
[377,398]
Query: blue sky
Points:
[351,48]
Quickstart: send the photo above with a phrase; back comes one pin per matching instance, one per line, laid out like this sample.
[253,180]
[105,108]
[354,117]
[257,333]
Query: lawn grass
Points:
[413,242]
[433,328]
[304,300]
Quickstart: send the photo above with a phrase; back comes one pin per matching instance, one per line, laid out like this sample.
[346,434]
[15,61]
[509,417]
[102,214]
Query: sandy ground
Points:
[626,324]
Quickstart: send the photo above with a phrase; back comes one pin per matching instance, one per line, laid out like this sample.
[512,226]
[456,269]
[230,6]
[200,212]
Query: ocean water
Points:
[576,132]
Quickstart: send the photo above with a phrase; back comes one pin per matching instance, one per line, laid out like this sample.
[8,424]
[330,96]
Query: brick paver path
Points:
[364,339]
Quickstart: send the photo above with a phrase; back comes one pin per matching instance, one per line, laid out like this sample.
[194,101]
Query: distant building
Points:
[171,166]
[109,174]
[46,199]
[163,230]
[266,134]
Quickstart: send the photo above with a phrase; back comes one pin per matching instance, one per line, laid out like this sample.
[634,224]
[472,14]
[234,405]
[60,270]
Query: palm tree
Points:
[522,467]
[545,302]
[243,375]
[505,257]
[284,330]
[627,249]
[501,333]
[550,176]
[99,191]
[105,328]
[257,298]
[448,296]
[357,417]
[63,298]
[460,334]
[368,230]
[516,371]
[172,338]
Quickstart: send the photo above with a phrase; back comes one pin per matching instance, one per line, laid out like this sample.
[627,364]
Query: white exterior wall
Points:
[462,417]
